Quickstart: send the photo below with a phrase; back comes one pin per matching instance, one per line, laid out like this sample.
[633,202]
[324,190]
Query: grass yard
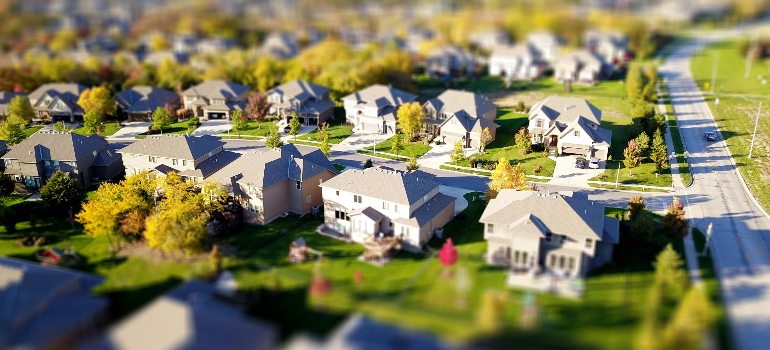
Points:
[109,129]
[338,131]
[504,145]
[31,130]
[736,116]
[417,148]
[254,129]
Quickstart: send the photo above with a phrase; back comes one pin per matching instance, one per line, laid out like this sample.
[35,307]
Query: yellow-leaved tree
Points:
[506,176]
[411,118]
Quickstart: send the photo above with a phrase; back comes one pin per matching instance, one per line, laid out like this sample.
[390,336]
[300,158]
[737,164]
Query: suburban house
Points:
[416,37]
[579,66]
[612,47]
[193,157]
[281,45]
[571,126]
[547,234]
[547,44]
[489,40]
[5,100]
[361,205]
[518,62]
[139,102]
[47,307]
[375,108]
[191,316]
[449,62]
[87,159]
[215,99]
[57,101]
[270,183]
[310,101]
[460,116]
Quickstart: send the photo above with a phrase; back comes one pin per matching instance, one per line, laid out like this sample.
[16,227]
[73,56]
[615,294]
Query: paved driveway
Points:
[212,127]
[358,140]
[130,130]
[566,174]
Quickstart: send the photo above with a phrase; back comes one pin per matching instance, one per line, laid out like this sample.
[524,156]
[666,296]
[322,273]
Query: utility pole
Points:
[714,72]
[755,129]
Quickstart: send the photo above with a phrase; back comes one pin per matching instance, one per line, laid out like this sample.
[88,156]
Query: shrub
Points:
[22,242]
[538,169]
[473,161]
[368,164]
[40,241]
[193,122]
[520,107]
[438,142]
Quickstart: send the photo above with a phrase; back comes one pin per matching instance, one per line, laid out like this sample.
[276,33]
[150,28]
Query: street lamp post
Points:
[754,136]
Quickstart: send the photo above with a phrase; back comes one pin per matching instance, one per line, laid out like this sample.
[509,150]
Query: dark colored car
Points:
[580,163]
[710,135]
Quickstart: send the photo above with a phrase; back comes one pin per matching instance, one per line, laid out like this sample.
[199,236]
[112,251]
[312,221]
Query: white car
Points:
[594,164]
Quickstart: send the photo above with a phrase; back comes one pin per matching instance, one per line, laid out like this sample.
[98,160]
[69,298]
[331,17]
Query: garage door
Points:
[601,154]
[574,150]
[216,115]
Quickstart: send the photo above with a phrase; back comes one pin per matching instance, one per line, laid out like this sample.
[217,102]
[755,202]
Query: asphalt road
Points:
[741,231]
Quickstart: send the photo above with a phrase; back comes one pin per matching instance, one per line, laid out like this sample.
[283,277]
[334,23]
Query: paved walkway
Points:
[130,131]
[439,155]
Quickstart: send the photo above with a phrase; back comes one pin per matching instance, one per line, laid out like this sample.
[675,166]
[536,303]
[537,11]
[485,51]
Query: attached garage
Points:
[574,150]
[601,154]
[217,115]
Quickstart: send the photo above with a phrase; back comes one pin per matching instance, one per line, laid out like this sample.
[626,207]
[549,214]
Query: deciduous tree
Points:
[659,153]
[486,138]
[523,141]
[489,318]
[273,139]
[92,122]
[448,254]
[12,133]
[257,107]
[62,194]
[294,126]
[7,185]
[633,156]
[98,100]
[240,123]
[396,143]
[506,176]
[634,82]
[690,323]
[323,137]
[160,120]
[20,110]
[636,206]
[266,72]
[412,165]
[61,127]
[643,228]
[674,224]
[411,118]
[643,140]
[457,154]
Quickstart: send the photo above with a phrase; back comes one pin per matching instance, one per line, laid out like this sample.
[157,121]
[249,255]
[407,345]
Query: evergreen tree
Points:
[643,140]
[659,153]
[457,154]
[62,194]
[634,82]
[273,139]
[523,140]
[670,274]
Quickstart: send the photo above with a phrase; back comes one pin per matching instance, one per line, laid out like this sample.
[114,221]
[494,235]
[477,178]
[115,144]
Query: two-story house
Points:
[449,61]
[611,46]
[518,62]
[310,101]
[548,233]
[579,66]
[193,157]
[460,116]
[362,204]
[547,44]
[57,101]
[570,125]
[375,108]
[270,183]
[139,102]
[87,159]
[215,99]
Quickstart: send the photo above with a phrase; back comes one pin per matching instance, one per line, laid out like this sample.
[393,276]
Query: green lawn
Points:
[504,145]
[338,131]
[417,148]
[254,129]
[735,116]
[31,130]
[673,128]
[109,129]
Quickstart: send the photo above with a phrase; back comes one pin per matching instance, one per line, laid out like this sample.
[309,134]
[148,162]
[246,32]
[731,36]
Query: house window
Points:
[307,199]
[395,208]
[174,162]
[490,228]
[338,192]
[548,236]
[184,162]
[151,159]
[576,133]
[539,123]
[562,239]
[72,164]
[8,163]
[56,164]
[357,198]
[552,262]
[341,214]
[571,263]
[589,243]
[385,205]
[405,230]
[299,185]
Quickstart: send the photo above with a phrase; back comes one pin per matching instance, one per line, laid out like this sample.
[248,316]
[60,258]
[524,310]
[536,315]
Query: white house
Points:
[518,62]
[375,108]
[571,126]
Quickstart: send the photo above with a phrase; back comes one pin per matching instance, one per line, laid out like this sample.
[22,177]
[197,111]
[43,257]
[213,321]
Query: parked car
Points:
[580,163]
[710,136]
[594,164]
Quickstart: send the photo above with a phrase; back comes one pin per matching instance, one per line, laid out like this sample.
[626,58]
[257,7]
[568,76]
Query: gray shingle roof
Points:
[66,91]
[263,169]
[211,165]
[217,89]
[144,99]
[55,146]
[567,109]
[300,90]
[174,146]
[462,102]
[518,51]
[391,186]
[39,304]
[428,210]
[598,135]
[380,96]
[106,157]
[559,214]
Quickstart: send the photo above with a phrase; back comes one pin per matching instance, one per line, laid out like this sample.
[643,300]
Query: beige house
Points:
[520,62]
[460,116]
[449,61]
[270,183]
[547,44]
[215,99]
[579,66]
[361,205]
[193,157]
[310,101]
[538,234]
[87,159]
[375,108]
[571,126]
[612,47]
[57,101]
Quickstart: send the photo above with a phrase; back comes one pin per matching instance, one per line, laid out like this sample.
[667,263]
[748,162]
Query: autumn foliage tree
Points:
[411,118]
[99,100]
[506,176]
[486,138]
[523,141]
[257,108]
[674,224]
[636,206]
[633,155]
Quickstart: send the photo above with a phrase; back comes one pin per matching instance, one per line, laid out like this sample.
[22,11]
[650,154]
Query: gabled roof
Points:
[391,186]
[553,213]
[44,145]
[66,91]
[543,39]
[427,211]
[451,51]
[462,102]
[217,89]
[211,165]
[39,304]
[189,317]
[596,133]
[263,169]
[174,146]
[566,109]
[380,96]
[300,90]
[144,99]
[471,124]
[106,157]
